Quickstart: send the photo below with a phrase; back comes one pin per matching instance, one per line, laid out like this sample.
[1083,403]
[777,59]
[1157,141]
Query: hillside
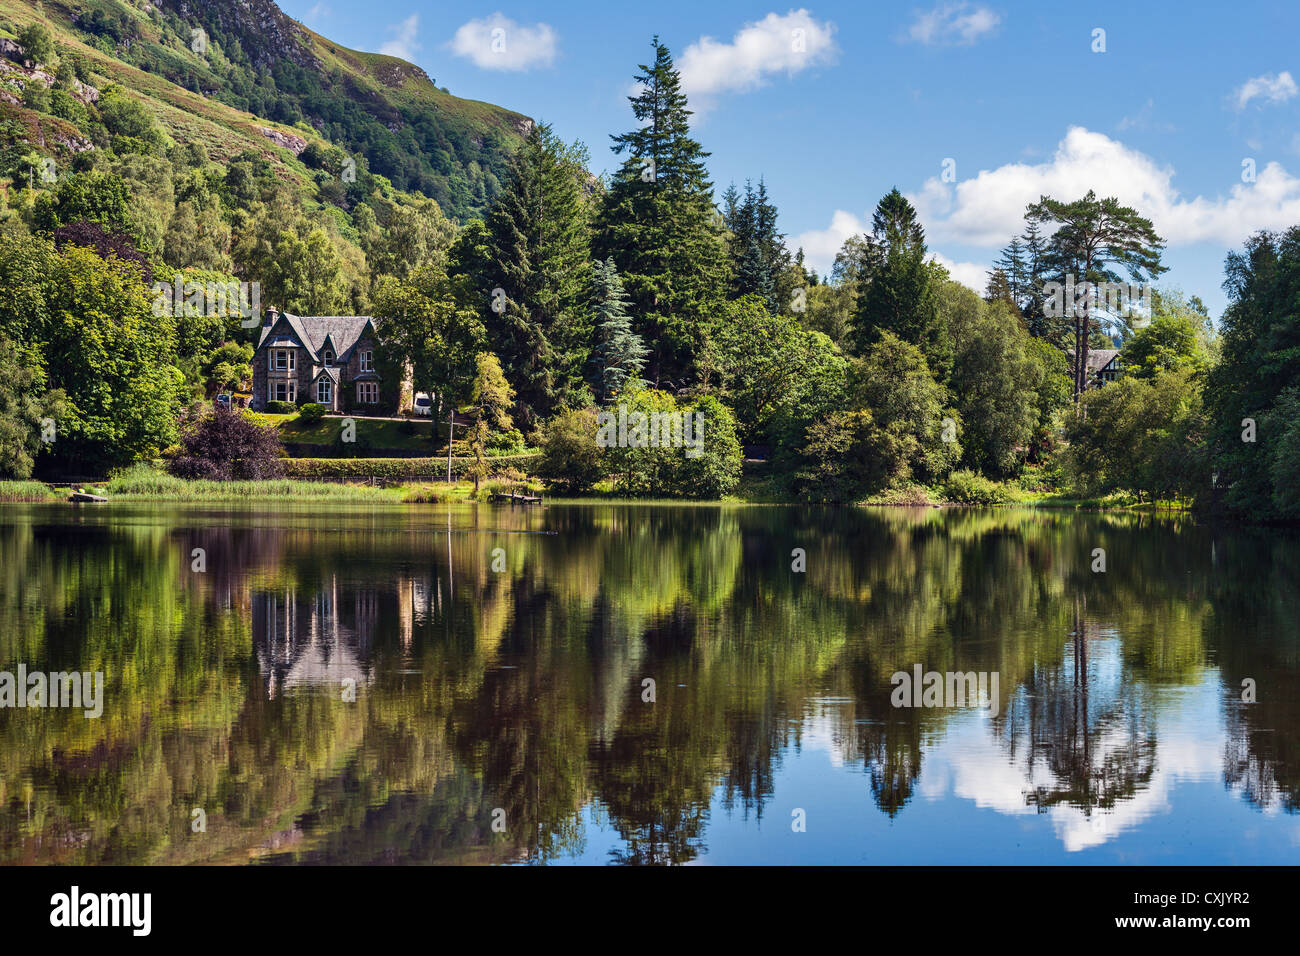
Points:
[239,75]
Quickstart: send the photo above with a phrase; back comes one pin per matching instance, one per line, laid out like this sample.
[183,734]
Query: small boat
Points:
[85,496]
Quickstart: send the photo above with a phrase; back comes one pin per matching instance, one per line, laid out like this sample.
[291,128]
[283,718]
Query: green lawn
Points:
[414,437]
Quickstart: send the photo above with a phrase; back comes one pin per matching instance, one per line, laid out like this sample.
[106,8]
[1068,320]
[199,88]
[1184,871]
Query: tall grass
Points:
[29,491]
[144,482]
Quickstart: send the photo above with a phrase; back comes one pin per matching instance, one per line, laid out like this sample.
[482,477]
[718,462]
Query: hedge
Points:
[398,468]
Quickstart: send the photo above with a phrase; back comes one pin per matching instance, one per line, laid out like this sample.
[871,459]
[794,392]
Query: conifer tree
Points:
[659,225]
[1011,263]
[898,296]
[538,253]
[619,356]
[760,262]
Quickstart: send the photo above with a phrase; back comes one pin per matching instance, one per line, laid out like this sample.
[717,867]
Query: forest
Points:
[653,290]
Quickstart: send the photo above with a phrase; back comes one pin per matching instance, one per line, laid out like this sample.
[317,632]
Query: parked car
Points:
[224,400]
[422,405]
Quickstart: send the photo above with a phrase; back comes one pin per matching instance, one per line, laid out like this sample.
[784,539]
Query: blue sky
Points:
[867,97]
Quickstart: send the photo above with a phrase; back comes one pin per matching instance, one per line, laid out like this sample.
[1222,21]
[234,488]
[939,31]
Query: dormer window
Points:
[367,361]
[328,358]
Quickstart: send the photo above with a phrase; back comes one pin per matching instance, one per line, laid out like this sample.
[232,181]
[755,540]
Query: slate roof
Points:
[1098,359]
[312,331]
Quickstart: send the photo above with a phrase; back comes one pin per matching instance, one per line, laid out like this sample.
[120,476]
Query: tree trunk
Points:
[451,435]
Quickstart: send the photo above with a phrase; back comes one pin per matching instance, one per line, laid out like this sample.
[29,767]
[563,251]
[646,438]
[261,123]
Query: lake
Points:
[612,683]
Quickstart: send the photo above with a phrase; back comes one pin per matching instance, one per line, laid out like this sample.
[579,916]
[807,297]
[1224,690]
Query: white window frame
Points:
[368,360]
[283,360]
[368,393]
[327,358]
[289,387]
[323,387]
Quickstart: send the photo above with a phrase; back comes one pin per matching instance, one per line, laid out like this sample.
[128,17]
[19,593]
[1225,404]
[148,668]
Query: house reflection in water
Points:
[329,637]
[314,641]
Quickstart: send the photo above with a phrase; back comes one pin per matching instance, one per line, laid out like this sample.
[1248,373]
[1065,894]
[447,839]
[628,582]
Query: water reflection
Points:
[370,689]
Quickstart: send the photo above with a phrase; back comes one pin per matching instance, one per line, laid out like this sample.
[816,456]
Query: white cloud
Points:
[499,43]
[776,44]
[318,11]
[403,45]
[949,24]
[821,245]
[989,208]
[1273,88]
[970,274]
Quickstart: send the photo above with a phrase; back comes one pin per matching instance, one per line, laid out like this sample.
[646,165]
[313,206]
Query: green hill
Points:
[239,75]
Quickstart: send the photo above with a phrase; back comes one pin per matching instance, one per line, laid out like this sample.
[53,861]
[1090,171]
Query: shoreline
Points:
[174,490]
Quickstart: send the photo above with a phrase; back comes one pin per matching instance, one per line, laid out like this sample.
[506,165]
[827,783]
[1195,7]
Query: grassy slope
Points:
[224,131]
[185,116]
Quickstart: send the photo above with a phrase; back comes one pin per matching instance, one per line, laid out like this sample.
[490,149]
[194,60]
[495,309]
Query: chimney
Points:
[271,316]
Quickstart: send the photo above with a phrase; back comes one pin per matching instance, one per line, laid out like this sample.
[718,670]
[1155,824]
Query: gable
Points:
[342,332]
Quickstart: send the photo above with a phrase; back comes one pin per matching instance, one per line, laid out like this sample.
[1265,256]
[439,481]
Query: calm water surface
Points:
[360,684]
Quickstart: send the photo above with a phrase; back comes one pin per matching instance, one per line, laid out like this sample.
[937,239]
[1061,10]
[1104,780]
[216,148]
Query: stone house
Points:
[332,360]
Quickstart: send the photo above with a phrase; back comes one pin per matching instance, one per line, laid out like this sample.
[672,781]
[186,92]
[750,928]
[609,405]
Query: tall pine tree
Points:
[659,225]
[538,255]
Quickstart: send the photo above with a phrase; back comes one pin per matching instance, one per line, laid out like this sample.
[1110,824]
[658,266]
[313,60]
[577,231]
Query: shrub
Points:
[845,457]
[226,446]
[1047,477]
[311,412]
[713,469]
[570,460]
[281,408]
[914,496]
[505,442]
[970,488]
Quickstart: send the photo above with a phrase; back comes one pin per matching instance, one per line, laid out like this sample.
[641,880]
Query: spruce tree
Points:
[659,225]
[619,356]
[1036,276]
[538,254]
[760,263]
[898,294]
[1011,263]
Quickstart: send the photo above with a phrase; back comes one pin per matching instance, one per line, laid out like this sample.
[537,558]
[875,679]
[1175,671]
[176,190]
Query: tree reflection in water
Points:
[364,688]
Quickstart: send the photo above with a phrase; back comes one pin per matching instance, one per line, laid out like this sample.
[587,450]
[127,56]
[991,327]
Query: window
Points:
[325,392]
[368,361]
[282,360]
[368,392]
[282,391]
[328,358]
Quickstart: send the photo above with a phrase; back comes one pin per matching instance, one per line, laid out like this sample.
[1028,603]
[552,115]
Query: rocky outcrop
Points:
[293,143]
[264,31]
